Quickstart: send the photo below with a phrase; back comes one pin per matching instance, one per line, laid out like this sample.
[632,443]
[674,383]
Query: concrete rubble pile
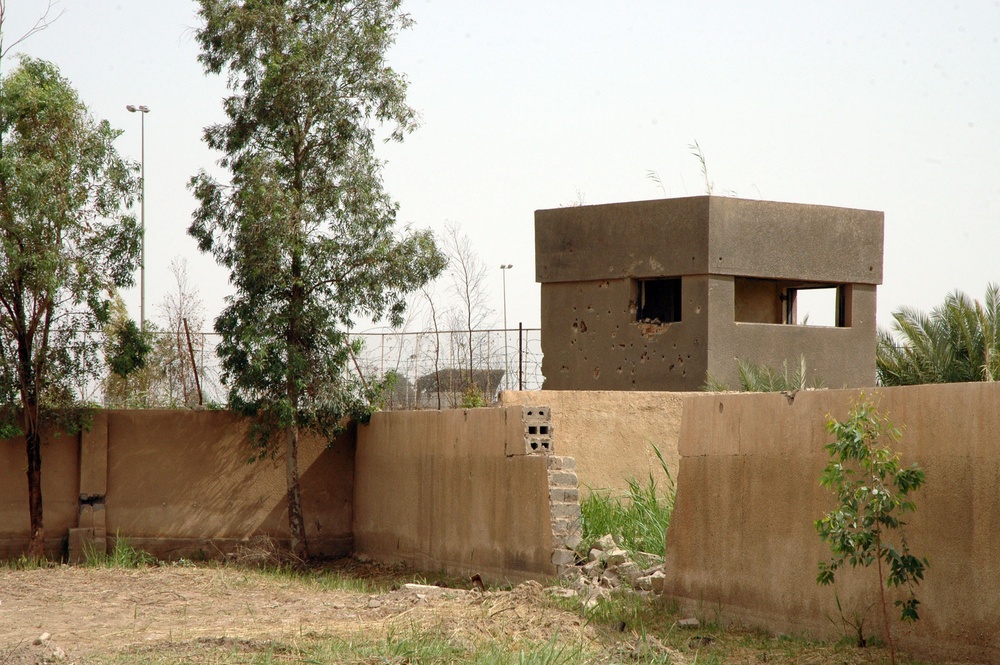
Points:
[609,567]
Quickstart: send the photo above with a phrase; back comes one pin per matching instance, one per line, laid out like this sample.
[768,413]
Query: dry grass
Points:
[348,612]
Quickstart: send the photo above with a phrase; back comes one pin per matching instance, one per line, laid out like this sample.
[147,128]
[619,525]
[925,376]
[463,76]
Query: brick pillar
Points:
[564,507]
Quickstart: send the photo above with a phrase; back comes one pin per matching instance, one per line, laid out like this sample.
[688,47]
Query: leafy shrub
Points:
[872,491]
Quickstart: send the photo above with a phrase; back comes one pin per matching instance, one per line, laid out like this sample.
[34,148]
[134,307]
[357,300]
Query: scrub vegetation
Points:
[638,519]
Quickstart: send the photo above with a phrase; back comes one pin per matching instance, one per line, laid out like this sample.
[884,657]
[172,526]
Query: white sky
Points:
[528,104]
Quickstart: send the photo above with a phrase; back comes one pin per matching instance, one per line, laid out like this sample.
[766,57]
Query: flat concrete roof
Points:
[709,235]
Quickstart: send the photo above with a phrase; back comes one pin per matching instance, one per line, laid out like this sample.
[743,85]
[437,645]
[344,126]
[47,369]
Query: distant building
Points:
[658,295]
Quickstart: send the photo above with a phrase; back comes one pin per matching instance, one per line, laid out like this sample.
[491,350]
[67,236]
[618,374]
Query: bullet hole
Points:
[697,310]
[583,326]
[613,334]
[620,370]
[597,372]
[575,326]
[671,368]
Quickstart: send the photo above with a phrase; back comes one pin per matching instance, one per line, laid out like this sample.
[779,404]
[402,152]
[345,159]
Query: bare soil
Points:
[88,611]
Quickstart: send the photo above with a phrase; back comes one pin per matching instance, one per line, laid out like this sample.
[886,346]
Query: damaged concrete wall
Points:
[835,357]
[591,341]
[742,541]
[595,262]
[611,434]
[461,491]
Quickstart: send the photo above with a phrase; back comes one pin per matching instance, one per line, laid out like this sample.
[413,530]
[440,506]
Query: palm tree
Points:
[958,341]
[756,378]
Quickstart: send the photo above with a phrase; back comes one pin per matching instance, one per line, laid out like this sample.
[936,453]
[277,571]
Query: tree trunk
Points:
[33,444]
[296,525]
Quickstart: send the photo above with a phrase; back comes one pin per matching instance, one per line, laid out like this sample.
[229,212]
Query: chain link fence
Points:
[432,368]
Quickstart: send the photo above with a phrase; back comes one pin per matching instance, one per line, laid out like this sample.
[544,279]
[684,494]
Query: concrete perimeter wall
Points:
[611,434]
[742,543]
[176,483]
[464,492]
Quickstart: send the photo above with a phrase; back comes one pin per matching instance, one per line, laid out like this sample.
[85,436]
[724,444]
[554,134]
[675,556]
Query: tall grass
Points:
[638,519]
[122,555]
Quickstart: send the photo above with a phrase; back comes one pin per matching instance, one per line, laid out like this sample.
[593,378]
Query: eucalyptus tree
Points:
[303,222]
[959,340]
[67,243]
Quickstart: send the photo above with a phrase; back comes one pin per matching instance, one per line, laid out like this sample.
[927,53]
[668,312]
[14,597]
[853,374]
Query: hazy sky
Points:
[891,106]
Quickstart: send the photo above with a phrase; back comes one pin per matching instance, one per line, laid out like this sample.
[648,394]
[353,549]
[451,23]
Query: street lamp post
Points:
[504,267]
[142,214]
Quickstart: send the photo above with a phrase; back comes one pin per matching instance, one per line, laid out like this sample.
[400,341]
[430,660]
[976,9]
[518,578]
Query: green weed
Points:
[638,519]
[122,555]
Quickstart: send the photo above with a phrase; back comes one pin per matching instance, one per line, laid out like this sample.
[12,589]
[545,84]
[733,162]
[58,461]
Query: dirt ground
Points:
[88,611]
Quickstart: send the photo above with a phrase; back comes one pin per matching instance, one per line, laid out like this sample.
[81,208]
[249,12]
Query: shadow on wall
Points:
[179,481]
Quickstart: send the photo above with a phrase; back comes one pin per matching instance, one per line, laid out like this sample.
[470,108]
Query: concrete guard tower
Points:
[657,295]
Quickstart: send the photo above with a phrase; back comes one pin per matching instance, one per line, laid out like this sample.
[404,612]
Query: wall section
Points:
[454,491]
[60,496]
[177,484]
[742,541]
[611,434]
[836,357]
[592,341]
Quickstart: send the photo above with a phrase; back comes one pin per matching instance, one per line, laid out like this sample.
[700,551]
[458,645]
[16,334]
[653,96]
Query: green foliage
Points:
[473,397]
[66,243]
[957,341]
[872,491]
[303,223]
[129,348]
[756,378]
[638,520]
[122,555]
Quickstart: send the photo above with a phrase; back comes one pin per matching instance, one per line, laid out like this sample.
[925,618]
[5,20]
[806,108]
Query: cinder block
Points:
[561,462]
[566,479]
[537,431]
[564,557]
[567,540]
[564,494]
[565,510]
[561,525]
